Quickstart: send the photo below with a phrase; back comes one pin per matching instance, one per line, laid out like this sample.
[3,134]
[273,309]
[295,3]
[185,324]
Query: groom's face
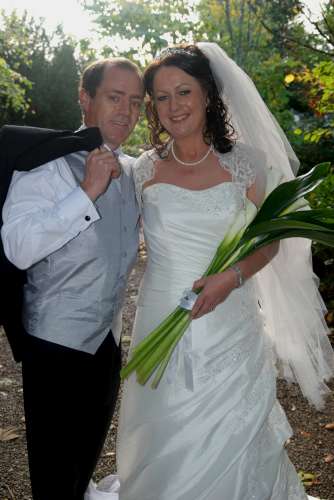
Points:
[116,105]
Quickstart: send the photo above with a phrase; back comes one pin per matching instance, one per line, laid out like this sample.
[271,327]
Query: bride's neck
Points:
[190,148]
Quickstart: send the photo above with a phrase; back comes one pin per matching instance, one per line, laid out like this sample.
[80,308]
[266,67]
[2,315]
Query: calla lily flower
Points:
[274,178]
[297,205]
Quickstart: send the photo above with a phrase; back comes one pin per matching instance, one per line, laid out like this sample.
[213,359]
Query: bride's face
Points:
[180,102]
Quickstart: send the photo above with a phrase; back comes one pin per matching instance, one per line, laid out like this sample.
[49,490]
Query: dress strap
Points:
[240,162]
[143,171]
[247,168]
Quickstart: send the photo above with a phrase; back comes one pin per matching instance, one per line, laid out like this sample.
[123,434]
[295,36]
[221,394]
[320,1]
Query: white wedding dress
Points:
[213,430]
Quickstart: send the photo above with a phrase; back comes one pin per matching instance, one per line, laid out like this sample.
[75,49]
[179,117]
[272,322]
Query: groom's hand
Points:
[101,167]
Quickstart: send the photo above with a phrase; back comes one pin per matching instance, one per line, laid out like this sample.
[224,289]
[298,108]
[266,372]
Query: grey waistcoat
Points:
[74,296]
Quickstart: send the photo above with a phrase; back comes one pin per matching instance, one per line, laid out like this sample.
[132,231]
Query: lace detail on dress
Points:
[216,200]
[143,171]
[239,164]
[264,387]
[235,356]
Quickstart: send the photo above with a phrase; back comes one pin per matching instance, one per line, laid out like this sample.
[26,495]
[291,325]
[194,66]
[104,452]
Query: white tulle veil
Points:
[288,293]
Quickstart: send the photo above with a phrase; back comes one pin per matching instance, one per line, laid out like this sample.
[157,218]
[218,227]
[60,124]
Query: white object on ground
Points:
[106,489]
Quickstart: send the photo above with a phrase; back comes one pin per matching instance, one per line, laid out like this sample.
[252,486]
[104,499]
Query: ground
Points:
[311,448]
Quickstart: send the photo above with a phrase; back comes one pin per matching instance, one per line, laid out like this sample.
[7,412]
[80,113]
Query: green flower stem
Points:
[147,369]
[164,326]
[163,365]
[135,361]
[223,252]
[155,337]
[147,346]
[153,360]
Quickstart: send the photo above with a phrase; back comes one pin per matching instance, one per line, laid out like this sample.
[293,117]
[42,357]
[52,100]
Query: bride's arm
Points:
[217,287]
[255,262]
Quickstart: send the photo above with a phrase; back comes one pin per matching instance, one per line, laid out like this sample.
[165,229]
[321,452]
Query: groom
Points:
[73,224]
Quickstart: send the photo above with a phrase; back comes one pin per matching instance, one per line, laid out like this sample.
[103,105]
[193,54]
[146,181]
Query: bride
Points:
[213,429]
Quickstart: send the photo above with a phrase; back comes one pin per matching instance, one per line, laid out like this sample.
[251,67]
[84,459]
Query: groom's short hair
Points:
[93,75]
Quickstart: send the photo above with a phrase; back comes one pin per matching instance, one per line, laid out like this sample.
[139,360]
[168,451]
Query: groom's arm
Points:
[43,211]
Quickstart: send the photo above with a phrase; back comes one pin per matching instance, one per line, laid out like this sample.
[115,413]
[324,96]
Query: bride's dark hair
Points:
[190,59]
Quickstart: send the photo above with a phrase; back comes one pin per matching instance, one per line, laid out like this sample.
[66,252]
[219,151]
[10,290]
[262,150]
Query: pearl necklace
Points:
[190,163]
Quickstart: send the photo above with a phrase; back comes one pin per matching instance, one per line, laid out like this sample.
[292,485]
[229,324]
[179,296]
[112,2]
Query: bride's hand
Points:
[215,289]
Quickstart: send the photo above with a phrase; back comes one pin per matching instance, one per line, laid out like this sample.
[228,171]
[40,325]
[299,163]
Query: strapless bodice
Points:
[183,228]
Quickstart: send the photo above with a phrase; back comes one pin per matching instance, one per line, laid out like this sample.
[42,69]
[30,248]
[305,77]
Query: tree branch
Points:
[228,19]
[241,20]
[329,38]
[326,37]
[330,29]
[291,39]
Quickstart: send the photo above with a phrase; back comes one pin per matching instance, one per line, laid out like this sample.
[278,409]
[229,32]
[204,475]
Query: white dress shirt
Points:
[44,209]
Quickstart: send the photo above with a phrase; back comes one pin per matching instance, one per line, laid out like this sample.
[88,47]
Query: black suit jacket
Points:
[25,148]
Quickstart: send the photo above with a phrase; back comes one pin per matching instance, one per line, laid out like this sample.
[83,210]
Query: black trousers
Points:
[69,400]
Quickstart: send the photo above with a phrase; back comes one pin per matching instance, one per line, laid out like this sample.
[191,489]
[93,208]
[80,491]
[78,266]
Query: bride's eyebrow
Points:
[184,84]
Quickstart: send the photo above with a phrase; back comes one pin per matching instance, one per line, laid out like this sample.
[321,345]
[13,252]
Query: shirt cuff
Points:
[78,210]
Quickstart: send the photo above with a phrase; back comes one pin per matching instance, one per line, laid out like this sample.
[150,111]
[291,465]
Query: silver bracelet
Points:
[240,278]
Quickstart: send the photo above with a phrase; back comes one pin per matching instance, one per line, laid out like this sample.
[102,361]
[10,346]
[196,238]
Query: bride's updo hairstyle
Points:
[191,60]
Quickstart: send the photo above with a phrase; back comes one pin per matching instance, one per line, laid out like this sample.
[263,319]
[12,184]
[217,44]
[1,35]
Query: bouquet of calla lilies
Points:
[280,216]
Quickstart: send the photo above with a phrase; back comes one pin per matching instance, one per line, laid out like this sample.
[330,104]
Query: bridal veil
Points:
[287,287]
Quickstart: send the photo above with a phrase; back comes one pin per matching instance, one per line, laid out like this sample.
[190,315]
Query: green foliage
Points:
[324,29]
[323,195]
[85,54]
[54,95]
[38,74]
[138,140]
[14,54]
[13,87]
[269,79]
[318,86]
[234,25]
[143,27]
[312,91]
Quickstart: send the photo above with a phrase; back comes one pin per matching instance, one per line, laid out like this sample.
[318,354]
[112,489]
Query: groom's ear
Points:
[84,100]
